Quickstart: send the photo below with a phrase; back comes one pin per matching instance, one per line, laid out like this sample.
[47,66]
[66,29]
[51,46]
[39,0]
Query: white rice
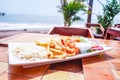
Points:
[30,52]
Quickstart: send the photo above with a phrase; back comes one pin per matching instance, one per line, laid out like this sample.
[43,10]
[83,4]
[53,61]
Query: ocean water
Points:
[30,19]
[15,21]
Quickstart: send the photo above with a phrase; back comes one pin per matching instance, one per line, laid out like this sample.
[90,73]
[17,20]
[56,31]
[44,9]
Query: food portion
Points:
[61,48]
[53,48]
[28,51]
[95,48]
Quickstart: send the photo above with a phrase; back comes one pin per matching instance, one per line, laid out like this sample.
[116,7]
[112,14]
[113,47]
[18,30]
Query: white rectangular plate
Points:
[17,62]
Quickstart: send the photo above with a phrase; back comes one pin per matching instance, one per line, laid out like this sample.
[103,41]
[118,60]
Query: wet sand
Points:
[7,33]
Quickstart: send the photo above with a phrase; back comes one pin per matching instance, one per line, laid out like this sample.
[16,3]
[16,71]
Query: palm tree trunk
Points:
[90,10]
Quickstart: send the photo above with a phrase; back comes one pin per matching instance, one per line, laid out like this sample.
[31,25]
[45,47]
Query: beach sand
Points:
[7,33]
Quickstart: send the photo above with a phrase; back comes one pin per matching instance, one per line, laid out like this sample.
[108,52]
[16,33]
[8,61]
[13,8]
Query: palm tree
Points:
[90,11]
[70,10]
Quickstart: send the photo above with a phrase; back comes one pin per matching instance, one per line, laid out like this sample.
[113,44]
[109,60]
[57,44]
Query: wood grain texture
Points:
[106,67]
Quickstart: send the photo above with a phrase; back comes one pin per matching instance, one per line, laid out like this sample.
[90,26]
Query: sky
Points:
[33,7]
[39,7]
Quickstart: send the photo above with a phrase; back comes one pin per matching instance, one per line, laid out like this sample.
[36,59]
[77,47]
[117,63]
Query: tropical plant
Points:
[70,10]
[110,10]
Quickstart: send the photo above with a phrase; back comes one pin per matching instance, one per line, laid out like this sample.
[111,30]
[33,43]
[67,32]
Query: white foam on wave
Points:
[22,26]
[36,26]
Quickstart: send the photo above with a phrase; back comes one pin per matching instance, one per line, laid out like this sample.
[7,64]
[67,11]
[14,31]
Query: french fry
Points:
[62,48]
[60,56]
[56,52]
[73,54]
[50,54]
[41,43]
[57,46]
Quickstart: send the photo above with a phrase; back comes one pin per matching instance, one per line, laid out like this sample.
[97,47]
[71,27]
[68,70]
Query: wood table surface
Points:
[105,67]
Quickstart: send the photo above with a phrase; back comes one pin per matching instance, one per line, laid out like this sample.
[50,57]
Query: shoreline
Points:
[25,26]
[9,29]
[7,33]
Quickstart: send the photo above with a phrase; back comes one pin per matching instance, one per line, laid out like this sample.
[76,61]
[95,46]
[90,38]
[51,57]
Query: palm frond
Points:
[70,9]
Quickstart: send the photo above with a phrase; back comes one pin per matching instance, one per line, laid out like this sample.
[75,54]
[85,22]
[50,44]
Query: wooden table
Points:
[106,67]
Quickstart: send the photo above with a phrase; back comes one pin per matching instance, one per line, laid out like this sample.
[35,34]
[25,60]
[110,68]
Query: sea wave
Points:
[35,26]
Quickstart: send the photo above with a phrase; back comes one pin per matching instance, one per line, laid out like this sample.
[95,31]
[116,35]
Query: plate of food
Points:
[52,51]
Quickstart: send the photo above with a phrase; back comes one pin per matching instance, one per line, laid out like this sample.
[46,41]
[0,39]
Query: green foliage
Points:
[70,10]
[110,10]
